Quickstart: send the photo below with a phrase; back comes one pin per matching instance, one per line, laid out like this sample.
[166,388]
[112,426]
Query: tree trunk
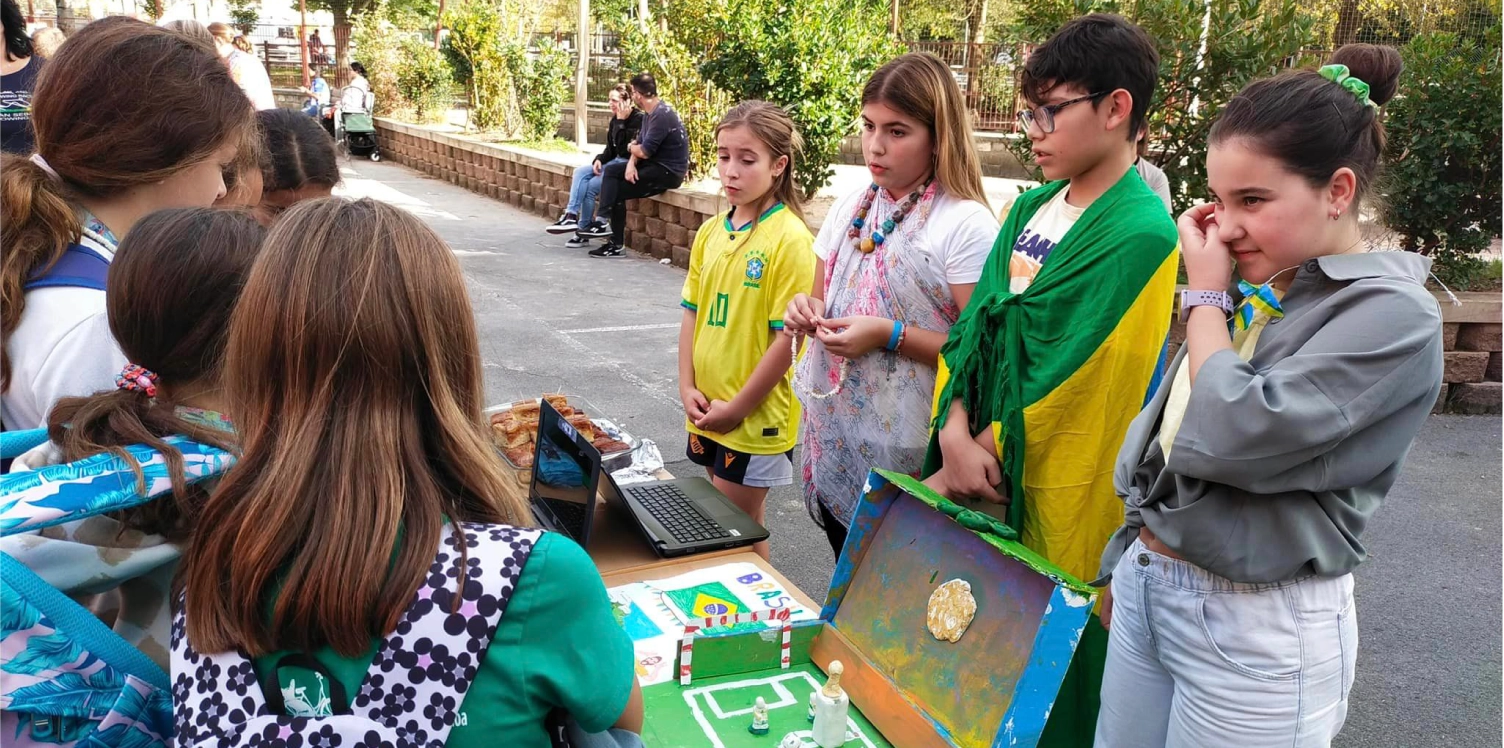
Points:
[341,45]
[978,22]
[65,17]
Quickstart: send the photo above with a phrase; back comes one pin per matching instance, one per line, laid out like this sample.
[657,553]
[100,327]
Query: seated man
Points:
[626,121]
[659,160]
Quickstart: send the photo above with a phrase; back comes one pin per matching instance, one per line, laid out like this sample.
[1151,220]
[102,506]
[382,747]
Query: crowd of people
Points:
[363,540]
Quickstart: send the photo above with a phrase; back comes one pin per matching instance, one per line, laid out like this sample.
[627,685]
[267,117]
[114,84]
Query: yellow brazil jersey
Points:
[739,285]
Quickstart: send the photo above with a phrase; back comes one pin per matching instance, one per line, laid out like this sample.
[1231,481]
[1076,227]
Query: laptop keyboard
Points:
[677,513]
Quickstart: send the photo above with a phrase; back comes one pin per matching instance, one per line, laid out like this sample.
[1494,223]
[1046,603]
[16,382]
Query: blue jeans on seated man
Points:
[583,192]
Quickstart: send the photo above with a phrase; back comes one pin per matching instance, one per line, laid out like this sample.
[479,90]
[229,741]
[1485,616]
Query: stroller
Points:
[355,130]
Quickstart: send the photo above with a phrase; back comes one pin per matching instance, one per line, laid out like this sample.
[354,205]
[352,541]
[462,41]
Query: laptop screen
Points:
[565,473]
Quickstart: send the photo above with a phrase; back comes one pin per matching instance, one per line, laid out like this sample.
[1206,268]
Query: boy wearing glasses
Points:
[1054,356]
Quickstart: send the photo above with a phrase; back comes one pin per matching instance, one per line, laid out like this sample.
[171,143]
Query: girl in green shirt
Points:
[353,374]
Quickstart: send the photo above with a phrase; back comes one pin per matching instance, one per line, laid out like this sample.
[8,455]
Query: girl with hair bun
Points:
[1249,480]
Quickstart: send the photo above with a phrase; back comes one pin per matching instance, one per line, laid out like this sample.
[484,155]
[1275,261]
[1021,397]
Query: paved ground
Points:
[552,319]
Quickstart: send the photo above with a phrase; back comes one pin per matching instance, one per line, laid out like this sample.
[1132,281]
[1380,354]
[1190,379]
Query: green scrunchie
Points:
[1339,75]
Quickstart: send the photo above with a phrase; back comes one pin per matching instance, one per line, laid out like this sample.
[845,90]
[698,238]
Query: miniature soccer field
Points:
[715,712]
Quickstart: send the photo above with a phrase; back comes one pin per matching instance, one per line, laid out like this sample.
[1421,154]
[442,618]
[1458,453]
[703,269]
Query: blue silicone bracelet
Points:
[897,334]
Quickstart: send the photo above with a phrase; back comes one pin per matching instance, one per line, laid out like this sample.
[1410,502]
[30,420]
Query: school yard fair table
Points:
[949,633]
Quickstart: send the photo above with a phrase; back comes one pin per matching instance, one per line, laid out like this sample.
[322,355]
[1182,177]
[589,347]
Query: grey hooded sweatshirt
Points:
[1281,460]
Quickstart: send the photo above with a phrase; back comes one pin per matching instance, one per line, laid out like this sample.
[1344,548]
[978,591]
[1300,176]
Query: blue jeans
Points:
[583,192]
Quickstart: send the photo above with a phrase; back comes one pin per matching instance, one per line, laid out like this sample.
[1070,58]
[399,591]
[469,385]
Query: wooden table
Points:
[698,561]
[617,544]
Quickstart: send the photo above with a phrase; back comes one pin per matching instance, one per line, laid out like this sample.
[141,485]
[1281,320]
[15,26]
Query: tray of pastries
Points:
[514,430]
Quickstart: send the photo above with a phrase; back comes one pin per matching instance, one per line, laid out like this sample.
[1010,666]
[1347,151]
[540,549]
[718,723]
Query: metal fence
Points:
[988,76]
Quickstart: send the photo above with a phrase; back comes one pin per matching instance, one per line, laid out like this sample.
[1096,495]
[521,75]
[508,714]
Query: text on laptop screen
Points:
[563,480]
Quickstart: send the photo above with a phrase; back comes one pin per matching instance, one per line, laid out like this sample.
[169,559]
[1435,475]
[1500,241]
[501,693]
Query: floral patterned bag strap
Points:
[424,668]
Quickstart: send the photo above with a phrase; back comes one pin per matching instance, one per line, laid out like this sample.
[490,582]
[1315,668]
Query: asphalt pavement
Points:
[552,319]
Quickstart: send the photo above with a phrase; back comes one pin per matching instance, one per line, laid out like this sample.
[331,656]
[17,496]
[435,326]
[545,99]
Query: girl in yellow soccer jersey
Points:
[744,268]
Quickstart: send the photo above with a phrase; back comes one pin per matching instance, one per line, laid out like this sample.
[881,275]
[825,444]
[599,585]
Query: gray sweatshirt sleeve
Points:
[1272,431]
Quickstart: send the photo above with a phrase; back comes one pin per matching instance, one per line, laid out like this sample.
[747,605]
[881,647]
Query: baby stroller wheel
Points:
[375,155]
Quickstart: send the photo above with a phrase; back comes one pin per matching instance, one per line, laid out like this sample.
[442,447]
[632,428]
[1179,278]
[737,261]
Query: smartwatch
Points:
[1189,299]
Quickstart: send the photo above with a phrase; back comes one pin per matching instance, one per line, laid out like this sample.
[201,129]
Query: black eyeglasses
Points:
[1045,115]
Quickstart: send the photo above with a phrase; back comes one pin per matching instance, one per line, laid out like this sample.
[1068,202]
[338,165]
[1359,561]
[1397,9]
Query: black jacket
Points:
[619,136]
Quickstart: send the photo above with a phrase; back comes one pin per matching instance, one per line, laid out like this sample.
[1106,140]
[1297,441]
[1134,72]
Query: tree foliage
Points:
[1444,153]
[380,46]
[425,80]
[812,59]
[480,36]
[542,82]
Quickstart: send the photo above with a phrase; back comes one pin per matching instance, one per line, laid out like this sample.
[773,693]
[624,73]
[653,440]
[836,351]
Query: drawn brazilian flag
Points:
[708,600]
[1059,371]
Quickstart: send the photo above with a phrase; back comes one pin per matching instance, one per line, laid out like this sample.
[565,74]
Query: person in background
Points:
[316,49]
[247,71]
[46,40]
[1151,174]
[18,76]
[744,268]
[626,122]
[1248,481]
[882,315]
[316,389]
[92,181]
[300,162]
[1046,368]
[177,338]
[318,94]
[357,96]
[657,163]
[243,44]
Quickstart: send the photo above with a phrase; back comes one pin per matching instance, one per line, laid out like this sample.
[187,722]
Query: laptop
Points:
[678,517]
[566,474]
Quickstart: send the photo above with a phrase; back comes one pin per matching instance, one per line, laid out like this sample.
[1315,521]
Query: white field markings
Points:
[656,391]
[624,328]
[785,699]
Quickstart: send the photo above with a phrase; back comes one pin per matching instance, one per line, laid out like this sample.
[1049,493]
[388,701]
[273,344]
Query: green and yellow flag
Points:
[1059,371]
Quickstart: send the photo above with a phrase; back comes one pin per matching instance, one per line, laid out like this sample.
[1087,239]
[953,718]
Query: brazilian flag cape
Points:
[1058,372]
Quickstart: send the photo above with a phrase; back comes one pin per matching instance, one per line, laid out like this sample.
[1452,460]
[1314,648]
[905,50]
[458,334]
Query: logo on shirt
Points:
[757,264]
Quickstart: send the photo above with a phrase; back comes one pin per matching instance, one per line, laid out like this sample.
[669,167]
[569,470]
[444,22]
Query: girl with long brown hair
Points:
[898,261]
[744,267]
[110,150]
[366,486]
[175,341]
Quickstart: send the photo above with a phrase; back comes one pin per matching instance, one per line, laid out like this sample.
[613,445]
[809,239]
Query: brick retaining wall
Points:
[662,226]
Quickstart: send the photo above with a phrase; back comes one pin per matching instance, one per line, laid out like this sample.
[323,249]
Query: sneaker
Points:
[567,224]
[596,230]
[579,242]
[609,249]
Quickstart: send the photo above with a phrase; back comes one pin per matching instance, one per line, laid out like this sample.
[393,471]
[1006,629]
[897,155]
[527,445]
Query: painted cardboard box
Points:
[993,687]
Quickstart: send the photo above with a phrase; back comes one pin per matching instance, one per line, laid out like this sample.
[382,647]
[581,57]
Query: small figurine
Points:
[791,740]
[812,707]
[831,707]
[759,718]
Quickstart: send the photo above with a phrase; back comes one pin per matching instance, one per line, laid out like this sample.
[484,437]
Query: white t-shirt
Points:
[1045,230]
[956,238]
[61,348]
[1157,181]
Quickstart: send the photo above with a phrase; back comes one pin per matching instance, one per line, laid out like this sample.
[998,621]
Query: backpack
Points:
[69,679]
[413,690]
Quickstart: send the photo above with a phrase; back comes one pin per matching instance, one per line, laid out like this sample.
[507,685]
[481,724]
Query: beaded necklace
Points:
[876,238]
[867,246]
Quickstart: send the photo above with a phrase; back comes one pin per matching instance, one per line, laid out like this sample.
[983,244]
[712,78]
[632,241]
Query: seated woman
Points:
[299,162]
[363,556]
[174,342]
